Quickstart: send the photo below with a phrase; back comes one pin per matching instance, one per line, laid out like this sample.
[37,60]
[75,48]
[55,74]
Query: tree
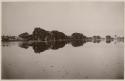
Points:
[108,39]
[78,36]
[78,39]
[96,39]
[56,35]
[24,35]
[39,34]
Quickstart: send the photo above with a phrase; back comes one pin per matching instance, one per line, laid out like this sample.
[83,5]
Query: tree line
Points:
[40,34]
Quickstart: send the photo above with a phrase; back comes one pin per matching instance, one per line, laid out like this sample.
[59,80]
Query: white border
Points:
[56,1]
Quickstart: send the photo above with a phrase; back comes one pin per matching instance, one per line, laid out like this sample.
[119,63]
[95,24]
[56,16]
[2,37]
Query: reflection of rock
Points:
[97,41]
[40,46]
[57,44]
[24,45]
[59,41]
[77,43]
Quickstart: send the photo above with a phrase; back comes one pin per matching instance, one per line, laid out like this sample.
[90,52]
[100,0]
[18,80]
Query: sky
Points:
[89,18]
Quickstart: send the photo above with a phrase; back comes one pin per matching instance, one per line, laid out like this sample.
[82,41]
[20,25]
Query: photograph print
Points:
[62,40]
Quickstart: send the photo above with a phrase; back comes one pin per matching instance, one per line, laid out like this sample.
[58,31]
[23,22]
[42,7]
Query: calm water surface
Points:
[89,61]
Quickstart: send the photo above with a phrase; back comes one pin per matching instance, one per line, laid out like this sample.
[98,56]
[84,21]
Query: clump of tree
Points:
[25,36]
[56,35]
[43,35]
[96,39]
[78,39]
[5,38]
[55,39]
[109,39]
[78,36]
[9,38]
[39,34]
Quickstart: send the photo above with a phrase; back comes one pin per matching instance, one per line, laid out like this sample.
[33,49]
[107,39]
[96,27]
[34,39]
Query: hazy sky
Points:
[89,18]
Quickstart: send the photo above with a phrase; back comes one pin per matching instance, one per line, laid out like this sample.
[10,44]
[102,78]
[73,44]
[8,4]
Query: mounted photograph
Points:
[62,40]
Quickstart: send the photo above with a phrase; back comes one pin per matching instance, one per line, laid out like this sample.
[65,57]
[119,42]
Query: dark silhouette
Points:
[96,39]
[42,46]
[78,36]
[57,44]
[41,40]
[39,34]
[109,39]
[56,35]
[9,38]
[25,36]
[24,45]
[77,39]
[77,43]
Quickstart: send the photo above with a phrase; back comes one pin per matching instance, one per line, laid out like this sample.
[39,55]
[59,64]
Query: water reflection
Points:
[76,43]
[54,45]
[24,45]
[57,44]
[42,46]
[68,63]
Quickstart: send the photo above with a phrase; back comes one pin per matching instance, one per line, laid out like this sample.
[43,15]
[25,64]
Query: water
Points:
[62,61]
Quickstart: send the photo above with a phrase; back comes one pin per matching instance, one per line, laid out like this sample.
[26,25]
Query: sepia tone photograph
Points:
[81,40]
